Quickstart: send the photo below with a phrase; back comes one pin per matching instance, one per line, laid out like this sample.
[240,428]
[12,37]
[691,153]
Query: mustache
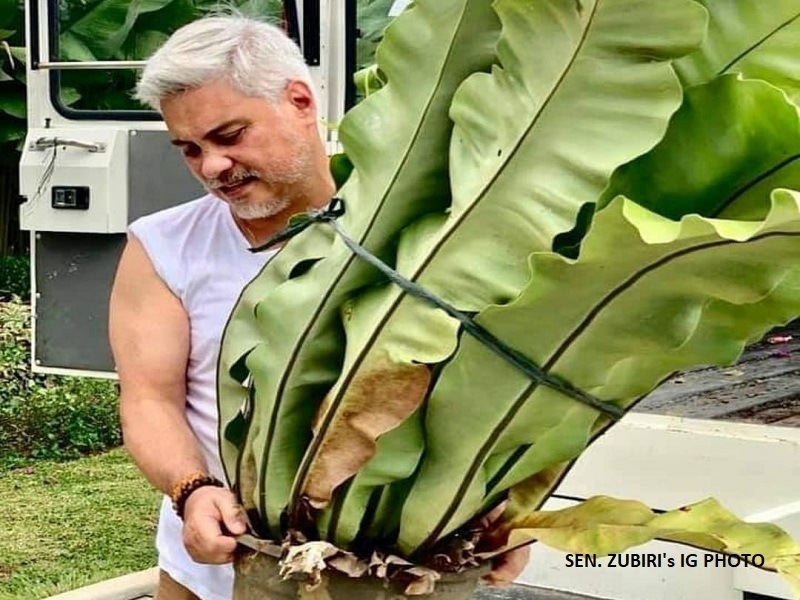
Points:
[232,179]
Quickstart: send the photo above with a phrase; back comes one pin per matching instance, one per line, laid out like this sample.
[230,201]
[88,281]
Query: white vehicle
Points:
[86,173]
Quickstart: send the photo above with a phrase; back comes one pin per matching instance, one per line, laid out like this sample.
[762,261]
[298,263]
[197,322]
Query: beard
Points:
[285,182]
[269,207]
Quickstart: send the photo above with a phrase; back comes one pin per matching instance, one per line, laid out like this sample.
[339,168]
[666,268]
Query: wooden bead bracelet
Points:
[186,486]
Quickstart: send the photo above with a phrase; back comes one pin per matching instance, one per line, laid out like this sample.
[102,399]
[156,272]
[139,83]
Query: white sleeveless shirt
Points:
[203,257]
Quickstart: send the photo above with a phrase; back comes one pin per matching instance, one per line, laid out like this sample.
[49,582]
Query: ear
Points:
[301,98]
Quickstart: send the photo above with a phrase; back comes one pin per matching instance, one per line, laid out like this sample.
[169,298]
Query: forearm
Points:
[159,439]
[161,443]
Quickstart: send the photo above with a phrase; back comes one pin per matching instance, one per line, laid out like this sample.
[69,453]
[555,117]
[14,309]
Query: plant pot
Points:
[257,578]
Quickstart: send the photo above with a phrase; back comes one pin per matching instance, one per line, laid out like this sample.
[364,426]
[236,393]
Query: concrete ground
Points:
[522,592]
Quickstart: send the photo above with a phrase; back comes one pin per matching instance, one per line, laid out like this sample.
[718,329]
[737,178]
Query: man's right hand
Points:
[212,520]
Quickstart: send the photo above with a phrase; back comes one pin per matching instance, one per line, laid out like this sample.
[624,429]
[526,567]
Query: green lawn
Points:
[66,525]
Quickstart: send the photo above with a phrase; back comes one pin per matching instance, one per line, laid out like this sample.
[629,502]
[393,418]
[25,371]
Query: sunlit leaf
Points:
[648,296]
[603,526]
[69,96]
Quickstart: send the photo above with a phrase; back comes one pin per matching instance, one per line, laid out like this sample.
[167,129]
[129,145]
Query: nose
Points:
[214,163]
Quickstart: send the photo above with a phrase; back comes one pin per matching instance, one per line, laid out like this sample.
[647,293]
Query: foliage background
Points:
[47,416]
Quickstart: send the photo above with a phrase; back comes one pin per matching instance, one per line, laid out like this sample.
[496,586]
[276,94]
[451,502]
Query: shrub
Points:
[48,416]
[15,277]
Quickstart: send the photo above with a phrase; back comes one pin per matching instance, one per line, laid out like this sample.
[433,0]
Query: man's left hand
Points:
[507,567]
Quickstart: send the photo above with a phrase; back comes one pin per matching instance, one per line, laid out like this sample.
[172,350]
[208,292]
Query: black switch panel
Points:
[71,198]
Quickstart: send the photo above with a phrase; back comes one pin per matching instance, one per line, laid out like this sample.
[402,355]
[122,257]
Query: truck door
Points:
[94,159]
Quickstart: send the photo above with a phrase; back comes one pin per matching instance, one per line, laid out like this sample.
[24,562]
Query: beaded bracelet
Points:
[186,486]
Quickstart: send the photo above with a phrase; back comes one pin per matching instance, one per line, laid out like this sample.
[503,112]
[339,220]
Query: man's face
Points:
[257,156]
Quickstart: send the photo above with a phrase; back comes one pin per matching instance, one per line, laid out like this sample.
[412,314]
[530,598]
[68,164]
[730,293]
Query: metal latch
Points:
[44,143]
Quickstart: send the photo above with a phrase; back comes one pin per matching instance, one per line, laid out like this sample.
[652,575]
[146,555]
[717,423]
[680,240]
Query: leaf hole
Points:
[303,267]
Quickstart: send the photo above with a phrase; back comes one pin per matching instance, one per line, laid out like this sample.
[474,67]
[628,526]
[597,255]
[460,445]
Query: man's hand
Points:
[507,567]
[212,519]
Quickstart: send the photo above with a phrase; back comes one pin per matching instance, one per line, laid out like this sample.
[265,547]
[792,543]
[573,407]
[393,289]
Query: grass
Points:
[66,525]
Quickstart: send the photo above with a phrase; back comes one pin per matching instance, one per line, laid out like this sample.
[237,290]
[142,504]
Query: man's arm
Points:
[149,333]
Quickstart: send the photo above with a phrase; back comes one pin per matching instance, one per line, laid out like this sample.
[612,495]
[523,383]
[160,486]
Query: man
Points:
[238,102]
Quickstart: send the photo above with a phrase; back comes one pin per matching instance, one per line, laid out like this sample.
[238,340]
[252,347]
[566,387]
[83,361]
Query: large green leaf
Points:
[397,141]
[265,9]
[106,27]
[533,141]
[168,19]
[648,296]
[690,171]
[747,37]
[143,43]
[731,143]
[69,96]
[373,17]
[18,53]
[603,525]
[71,47]
[12,63]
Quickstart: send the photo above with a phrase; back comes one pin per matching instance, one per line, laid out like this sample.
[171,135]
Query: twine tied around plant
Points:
[336,208]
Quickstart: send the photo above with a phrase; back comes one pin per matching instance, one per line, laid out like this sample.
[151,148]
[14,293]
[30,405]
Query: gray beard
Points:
[262,210]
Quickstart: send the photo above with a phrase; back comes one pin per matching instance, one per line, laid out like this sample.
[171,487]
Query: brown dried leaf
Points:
[373,403]
[349,564]
[379,564]
[308,559]
[424,581]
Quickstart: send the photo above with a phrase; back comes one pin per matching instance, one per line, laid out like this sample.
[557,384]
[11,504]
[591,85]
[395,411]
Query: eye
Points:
[231,137]
[190,150]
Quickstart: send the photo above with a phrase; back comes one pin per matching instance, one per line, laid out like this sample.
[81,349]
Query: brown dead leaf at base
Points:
[424,582]
[308,559]
[312,558]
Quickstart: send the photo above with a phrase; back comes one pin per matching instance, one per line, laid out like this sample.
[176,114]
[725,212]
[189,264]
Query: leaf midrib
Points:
[758,44]
[548,366]
[370,342]
[755,181]
[321,307]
